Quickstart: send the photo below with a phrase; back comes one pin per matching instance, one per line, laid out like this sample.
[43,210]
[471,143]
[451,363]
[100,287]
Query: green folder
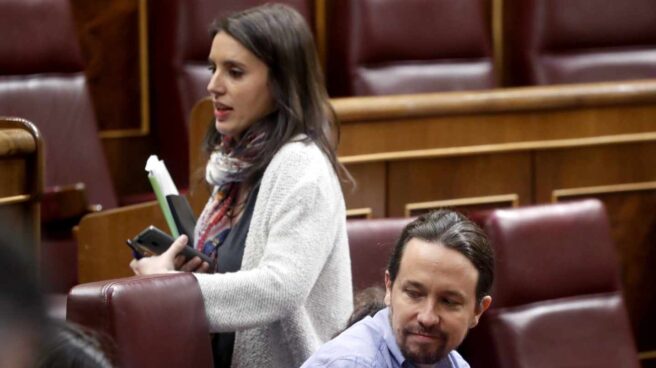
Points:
[164,205]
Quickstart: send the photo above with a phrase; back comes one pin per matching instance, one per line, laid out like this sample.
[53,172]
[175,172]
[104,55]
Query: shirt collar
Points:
[383,318]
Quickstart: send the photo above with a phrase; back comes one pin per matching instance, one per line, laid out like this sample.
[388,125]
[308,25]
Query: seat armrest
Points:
[66,203]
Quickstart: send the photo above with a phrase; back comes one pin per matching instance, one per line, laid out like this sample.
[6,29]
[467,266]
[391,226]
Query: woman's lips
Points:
[222,114]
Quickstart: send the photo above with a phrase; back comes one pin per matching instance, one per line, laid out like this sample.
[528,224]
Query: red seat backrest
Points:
[579,41]
[371,242]
[413,46]
[42,80]
[556,300]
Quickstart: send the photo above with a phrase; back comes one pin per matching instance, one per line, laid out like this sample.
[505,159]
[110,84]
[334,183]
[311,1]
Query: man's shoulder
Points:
[361,345]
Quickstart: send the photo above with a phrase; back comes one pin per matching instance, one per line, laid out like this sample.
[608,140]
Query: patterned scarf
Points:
[225,171]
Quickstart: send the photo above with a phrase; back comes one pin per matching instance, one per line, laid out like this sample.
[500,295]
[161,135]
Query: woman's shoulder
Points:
[301,160]
[299,149]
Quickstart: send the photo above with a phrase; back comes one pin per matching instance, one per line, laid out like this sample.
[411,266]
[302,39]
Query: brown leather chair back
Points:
[371,242]
[578,41]
[155,321]
[42,80]
[179,43]
[556,300]
[413,46]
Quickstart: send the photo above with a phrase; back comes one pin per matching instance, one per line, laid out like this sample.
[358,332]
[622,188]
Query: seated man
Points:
[437,286]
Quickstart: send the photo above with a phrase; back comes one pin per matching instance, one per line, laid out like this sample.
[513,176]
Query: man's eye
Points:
[413,294]
[451,302]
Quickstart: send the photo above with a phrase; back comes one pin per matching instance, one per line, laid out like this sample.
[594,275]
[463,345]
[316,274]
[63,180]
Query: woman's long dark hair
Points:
[279,36]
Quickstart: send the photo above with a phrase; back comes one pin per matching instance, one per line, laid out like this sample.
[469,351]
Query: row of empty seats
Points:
[372,48]
[557,299]
[388,47]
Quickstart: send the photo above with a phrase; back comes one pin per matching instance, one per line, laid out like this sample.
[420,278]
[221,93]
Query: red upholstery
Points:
[155,321]
[556,300]
[393,47]
[42,80]
[576,41]
[179,43]
[371,243]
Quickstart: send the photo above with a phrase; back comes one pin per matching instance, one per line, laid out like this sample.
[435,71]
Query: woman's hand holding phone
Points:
[169,261]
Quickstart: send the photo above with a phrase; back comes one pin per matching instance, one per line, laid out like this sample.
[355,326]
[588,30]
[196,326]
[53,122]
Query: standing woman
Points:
[275,222]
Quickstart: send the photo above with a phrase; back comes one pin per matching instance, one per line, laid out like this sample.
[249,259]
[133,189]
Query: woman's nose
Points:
[216,85]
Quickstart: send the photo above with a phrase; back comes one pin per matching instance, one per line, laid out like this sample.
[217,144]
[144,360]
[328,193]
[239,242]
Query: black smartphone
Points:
[156,241]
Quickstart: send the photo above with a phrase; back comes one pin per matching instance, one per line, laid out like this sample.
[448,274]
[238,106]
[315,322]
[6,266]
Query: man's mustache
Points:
[431,332]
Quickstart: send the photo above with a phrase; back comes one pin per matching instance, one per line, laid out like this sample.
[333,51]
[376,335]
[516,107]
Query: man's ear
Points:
[480,308]
[388,288]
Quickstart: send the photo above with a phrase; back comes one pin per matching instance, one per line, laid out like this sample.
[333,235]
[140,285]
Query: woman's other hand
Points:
[193,265]
[168,261]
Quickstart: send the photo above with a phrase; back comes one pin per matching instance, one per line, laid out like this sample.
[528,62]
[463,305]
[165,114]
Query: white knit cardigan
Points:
[293,291]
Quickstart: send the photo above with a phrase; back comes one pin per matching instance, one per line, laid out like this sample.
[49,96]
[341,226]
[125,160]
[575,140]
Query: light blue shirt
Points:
[370,343]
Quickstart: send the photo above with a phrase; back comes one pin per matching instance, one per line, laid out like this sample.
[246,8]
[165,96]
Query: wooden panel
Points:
[21,184]
[102,252]
[632,213]
[359,213]
[376,137]
[126,159]
[104,27]
[370,189]
[436,179]
[201,117]
[118,85]
[648,359]
[13,178]
[464,205]
[593,166]
[376,124]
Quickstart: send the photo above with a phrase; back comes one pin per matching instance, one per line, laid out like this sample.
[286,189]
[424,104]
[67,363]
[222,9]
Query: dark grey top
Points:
[229,256]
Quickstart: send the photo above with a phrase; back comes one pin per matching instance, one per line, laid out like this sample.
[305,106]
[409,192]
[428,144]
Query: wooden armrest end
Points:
[66,203]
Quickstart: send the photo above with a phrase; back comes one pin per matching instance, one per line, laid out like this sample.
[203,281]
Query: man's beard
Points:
[423,354]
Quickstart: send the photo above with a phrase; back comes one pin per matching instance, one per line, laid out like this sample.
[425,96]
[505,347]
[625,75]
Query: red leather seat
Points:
[395,47]
[556,300]
[155,321]
[371,242]
[42,80]
[179,43]
[577,41]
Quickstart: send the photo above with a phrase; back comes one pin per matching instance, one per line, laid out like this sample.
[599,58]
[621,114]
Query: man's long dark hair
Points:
[279,36]
[454,231]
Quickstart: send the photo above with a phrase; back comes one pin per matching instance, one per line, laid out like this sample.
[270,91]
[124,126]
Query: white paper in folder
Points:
[163,185]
